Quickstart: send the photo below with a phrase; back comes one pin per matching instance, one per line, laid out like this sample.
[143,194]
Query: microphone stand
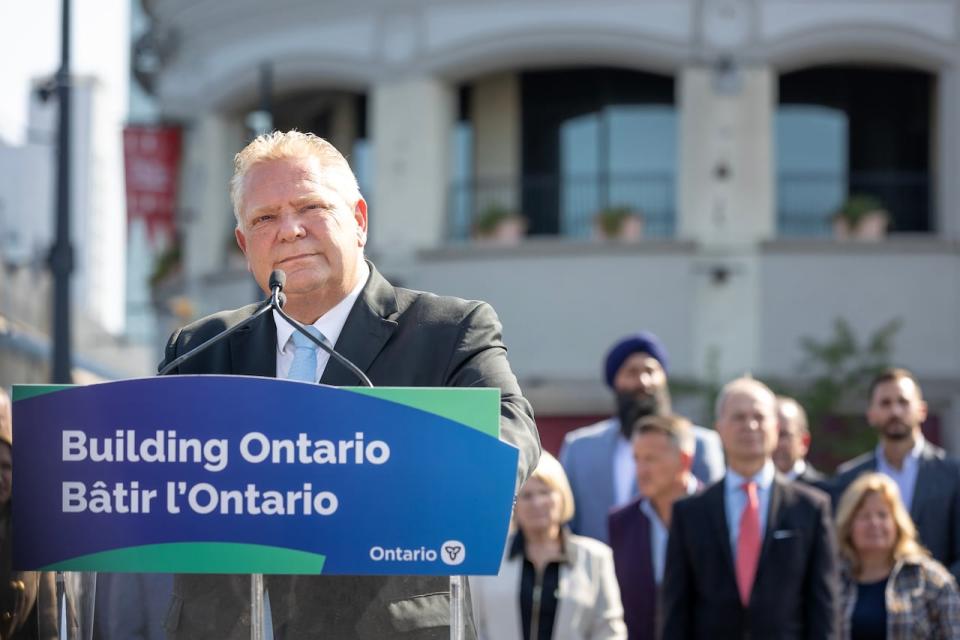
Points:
[274,302]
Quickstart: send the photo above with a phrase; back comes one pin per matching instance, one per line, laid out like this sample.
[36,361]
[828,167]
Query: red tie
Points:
[748,543]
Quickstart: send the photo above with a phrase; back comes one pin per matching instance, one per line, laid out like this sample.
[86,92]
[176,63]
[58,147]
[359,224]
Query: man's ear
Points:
[360,215]
[242,243]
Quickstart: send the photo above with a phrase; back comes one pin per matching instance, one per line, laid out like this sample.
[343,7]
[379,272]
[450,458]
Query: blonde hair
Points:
[550,472]
[281,145]
[850,503]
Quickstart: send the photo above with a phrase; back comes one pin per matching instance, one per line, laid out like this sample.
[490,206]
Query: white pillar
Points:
[208,150]
[726,205]
[411,119]
[726,158]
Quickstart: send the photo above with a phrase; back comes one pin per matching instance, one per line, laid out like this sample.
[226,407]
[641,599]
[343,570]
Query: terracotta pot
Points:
[509,231]
[872,227]
[631,230]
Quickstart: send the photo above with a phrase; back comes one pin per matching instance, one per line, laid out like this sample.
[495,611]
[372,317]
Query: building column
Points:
[410,126]
[206,212]
[726,205]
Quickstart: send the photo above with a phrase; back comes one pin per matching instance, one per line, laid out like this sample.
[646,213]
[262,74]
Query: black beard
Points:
[898,436]
[631,407]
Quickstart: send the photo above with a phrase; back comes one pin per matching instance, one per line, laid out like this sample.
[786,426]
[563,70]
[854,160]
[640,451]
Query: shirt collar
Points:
[799,467]
[690,486]
[763,478]
[331,323]
[915,452]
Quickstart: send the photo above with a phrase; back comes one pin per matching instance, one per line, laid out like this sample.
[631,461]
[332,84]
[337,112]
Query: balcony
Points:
[807,201]
[565,205]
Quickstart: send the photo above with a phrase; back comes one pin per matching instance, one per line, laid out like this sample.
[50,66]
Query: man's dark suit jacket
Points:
[936,500]
[632,559]
[795,591]
[814,478]
[397,337]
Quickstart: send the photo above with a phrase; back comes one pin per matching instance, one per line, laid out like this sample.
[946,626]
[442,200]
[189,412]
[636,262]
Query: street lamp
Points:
[61,253]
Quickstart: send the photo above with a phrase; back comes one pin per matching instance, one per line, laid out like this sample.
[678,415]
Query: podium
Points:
[351,508]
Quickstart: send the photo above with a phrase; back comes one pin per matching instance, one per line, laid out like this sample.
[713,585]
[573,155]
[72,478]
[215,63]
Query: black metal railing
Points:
[565,205]
[807,201]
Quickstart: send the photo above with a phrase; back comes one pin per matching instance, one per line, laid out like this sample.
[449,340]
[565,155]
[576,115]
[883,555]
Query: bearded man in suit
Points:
[299,209]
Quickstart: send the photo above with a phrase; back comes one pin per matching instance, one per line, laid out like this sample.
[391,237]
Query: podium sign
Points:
[235,474]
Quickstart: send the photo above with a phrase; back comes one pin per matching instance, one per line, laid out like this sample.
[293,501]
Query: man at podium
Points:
[299,210]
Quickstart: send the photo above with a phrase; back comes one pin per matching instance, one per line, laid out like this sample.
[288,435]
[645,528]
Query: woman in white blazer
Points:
[552,585]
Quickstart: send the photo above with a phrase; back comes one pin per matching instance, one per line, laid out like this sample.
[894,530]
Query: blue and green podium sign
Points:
[233,474]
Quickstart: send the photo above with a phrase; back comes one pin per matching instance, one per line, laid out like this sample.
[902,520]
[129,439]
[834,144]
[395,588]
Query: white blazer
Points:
[588,606]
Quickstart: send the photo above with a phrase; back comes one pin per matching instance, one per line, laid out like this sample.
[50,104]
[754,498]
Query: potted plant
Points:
[618,223]
[499,225]
[862,217]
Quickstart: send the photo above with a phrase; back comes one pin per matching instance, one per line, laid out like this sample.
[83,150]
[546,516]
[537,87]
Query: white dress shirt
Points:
[659,533]
[798,468]
[330,325]
[905,477]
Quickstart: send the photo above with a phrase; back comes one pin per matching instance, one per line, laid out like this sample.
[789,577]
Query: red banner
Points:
[151,166]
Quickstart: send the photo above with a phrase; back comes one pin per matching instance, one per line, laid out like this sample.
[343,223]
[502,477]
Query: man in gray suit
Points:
[299,209]
[598,458]
[929,481]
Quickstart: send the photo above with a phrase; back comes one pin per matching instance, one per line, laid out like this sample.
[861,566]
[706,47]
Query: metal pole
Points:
[456,608]
[61,254]
[256,606]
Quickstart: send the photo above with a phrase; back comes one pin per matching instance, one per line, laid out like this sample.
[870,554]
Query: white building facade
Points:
[735,126]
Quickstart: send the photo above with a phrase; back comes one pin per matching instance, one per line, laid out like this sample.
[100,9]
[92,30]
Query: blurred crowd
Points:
[649,526]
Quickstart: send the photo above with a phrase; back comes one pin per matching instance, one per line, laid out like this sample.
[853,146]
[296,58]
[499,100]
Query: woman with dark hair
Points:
[891,588]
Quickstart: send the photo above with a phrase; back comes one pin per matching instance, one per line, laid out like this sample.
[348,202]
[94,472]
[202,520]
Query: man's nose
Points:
[291,228]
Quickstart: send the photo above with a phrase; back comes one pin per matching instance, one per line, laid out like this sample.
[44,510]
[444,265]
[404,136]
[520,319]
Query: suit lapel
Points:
[773,519]
[369,325]
[926,485]
[253,349]
[608,493]
[716,502]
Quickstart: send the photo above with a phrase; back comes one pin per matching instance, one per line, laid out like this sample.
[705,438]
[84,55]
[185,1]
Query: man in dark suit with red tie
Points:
[663,448]
[753,556]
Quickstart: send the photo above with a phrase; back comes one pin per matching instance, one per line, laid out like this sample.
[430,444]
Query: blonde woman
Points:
[552,585]
[891,587]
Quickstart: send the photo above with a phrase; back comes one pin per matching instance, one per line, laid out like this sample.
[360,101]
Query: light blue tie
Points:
[304,367]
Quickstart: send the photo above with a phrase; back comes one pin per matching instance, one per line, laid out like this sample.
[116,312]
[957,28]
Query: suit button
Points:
[245,620]
[7,615]
[17,585]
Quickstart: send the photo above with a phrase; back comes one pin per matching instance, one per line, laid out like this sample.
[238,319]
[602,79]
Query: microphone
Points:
[275,301]
[278,278]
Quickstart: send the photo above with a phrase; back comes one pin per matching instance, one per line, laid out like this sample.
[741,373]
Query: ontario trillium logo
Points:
[453,552]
